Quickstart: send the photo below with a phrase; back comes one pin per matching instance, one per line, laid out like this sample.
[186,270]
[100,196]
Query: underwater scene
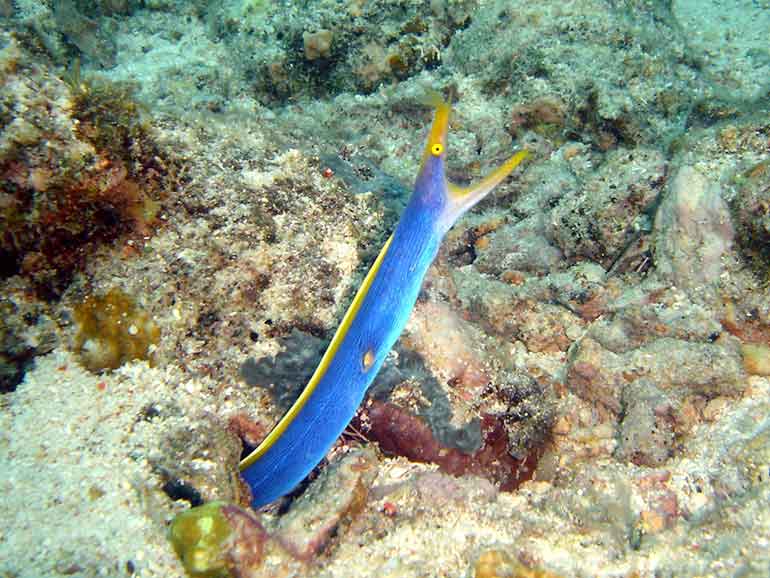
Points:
[384,288]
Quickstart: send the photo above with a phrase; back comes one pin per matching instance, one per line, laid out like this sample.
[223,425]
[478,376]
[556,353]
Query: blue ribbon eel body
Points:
[371,325]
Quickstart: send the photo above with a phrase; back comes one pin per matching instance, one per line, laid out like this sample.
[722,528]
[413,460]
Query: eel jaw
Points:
[461,199]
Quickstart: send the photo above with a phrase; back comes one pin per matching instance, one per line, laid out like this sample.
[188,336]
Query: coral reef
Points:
[583,388]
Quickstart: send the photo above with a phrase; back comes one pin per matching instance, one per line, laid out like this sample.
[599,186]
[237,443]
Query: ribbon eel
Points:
[371,325]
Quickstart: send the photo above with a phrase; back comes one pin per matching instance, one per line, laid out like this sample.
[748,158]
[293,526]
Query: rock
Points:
[679,347]
[332,502]
[693,231]
[441,489]
[198,462]
[600,219]
[702,368]
[519,247]
[446,342]
[646,432]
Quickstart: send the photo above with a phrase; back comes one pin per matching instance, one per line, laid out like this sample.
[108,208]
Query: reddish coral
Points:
[73,214]
[593,307]
[401,433]
[590,377]
[390,509]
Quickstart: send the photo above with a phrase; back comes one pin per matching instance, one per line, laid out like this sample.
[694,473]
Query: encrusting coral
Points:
[215,538]
[112,329]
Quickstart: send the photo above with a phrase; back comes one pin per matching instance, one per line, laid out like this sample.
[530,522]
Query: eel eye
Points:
[436,149]
[368,359]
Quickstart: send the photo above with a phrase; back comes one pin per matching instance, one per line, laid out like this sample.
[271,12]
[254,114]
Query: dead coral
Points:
[681,367]
[652,369]
[332,502]
[647,431]
[693,230]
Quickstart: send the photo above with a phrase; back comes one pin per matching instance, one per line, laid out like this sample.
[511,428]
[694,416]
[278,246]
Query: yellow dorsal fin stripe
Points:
[331,351]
